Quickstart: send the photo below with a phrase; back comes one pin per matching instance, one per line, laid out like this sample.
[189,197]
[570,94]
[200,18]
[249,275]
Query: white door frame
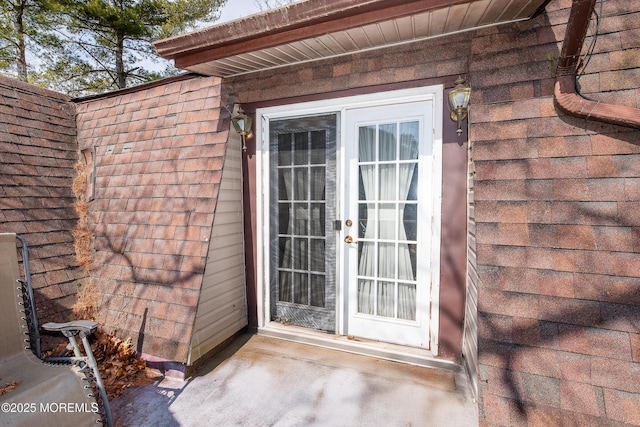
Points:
[341,106]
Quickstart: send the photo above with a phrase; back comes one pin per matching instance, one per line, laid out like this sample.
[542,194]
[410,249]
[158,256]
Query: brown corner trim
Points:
[567,98]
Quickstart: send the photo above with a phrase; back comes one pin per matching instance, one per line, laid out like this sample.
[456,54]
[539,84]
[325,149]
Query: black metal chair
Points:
[58,391]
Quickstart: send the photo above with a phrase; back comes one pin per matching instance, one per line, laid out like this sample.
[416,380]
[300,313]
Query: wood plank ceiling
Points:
[418,25]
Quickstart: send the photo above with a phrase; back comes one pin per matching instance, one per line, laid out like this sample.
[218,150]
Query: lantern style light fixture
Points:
[459,102]
[242,124]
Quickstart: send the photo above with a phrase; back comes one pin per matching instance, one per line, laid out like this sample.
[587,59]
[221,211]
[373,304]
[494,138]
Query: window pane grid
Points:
[302,207]
[387,209]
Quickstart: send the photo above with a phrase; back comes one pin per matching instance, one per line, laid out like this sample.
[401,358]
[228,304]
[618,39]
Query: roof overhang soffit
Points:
[317,29]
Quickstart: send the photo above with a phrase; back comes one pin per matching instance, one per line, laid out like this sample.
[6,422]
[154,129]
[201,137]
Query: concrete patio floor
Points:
[263,381]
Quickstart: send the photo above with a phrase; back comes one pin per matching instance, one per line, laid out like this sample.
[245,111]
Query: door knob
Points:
[349,239]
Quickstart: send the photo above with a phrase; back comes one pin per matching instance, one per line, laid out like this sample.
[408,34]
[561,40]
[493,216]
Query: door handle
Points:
[349,239]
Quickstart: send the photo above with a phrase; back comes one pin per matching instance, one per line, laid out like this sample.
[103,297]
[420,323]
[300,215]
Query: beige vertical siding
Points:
[222,309]
[470,333]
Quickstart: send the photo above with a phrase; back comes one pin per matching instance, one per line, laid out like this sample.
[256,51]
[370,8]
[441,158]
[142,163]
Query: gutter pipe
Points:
[566,94]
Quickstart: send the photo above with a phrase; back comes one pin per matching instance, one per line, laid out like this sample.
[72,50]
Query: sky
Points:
[235,9]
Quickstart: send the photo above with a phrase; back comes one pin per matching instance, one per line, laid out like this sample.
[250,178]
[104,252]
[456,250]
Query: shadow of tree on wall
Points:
[144,273]
[604,294]
[451,313]
[151,235]
[540,341]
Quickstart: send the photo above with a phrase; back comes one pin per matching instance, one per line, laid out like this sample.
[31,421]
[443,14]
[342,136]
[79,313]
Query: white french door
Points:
[350,237]
[388,204]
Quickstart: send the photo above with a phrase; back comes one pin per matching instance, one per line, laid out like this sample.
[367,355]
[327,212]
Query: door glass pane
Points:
[388,144]
[407,301]
[301,143]
[300,218]
[317,255]
[300,288]
[286,287]
[367,182]
[408,222]
[300,183]
[407,261]
[284,149]
[409,138]
[317,181]
[387,214]
[284,184]
[365,296]
[387,260]
[285,211]
[367,257]
[317,291]
[300,254]
[318,147]
[317,217]
[412,191]
[285,252]
[363,218]
[367,143]
[386,299]
[388,190]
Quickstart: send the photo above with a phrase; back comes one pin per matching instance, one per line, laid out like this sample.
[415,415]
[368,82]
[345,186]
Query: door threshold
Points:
[380,350]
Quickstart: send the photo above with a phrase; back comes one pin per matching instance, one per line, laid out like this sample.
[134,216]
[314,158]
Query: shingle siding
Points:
[555,203]
[553,226]
[38,151]
[434,60]
[557,236]
[159,157]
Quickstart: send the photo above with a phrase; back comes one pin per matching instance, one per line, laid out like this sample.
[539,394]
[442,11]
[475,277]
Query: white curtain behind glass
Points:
[389,213]
[366,267]
[387,217]
[409,134]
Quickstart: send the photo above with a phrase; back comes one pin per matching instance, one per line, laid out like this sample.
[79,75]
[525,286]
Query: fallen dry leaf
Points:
[119,366]
[8,387]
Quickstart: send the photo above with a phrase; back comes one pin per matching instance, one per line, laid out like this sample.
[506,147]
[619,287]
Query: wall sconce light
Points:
[242,125]
[459,102]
